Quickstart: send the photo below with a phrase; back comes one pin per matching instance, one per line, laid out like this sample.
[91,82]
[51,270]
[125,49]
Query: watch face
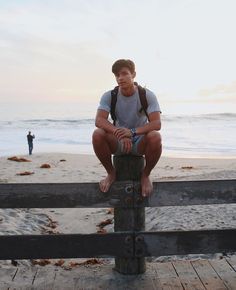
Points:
[133,131]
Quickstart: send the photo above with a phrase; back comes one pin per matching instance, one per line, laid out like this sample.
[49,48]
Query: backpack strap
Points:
[114,94]
[143,100]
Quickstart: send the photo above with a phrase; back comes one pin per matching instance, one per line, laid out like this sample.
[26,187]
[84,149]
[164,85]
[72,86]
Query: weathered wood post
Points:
[132,219]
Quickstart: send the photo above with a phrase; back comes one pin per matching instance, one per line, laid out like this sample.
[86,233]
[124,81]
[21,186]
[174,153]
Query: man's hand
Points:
[121,133]
[126,145]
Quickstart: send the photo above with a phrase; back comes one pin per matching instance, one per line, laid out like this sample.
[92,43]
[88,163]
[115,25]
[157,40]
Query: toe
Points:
[101,185]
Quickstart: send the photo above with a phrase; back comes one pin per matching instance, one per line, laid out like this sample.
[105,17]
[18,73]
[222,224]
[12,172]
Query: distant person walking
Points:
[30,142]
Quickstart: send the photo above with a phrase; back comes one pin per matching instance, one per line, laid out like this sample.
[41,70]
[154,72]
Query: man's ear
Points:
[134,74]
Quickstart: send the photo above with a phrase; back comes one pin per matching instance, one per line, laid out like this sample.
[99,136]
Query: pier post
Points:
[130,219]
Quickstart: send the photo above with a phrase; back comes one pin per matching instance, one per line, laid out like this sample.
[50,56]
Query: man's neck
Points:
[127,92]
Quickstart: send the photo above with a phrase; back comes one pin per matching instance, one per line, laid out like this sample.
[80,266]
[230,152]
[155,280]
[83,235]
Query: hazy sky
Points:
[63,50]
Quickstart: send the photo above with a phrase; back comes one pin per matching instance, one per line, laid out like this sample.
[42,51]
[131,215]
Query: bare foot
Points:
[106,183]
[146,185]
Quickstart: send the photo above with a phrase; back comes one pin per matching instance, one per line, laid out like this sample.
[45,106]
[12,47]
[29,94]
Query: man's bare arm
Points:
[101,121]
[154,124]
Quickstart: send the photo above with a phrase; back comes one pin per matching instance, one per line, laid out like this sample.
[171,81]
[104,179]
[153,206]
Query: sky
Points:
[63,50]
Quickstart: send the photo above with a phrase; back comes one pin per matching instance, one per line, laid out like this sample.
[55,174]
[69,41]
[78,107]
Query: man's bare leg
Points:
[104,145]
[151,147]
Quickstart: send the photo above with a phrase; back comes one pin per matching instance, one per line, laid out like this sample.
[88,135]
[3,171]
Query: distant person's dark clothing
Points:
[30,142]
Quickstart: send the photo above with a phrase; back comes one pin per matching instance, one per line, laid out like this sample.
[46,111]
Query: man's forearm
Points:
[105,125]
[151,126]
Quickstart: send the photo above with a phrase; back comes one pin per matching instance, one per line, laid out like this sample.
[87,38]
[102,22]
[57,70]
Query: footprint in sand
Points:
[169,167]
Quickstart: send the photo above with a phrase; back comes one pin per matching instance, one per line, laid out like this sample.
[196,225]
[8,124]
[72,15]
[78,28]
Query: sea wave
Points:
[230,150]
[213,117]
[49,123]
[90,121]
[60,121]
[64,141]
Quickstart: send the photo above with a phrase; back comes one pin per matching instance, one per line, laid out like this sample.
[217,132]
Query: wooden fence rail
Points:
[121,194]
[130,243]
[120,244]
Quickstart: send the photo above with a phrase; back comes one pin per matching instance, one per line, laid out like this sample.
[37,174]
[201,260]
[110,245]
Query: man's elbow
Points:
[158,126]
[98,122]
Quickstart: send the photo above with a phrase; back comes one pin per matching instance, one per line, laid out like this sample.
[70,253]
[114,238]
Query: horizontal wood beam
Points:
[64,195]
[185,242]
[182,193]
[120,244]
[66,246]
[121,194]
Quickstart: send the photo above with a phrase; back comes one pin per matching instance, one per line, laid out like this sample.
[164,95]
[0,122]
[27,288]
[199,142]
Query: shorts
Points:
[134,150]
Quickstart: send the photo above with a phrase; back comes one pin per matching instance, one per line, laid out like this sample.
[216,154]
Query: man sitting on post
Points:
[136,119]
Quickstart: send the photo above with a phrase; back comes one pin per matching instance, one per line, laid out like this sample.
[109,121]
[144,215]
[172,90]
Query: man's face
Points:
[125,78]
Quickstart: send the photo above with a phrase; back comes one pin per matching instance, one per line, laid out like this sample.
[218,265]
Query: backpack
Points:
[142,97]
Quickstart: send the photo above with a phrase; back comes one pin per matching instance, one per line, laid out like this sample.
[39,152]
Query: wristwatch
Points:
[133,132]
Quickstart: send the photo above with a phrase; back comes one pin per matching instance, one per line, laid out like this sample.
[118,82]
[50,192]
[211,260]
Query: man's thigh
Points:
[112,142]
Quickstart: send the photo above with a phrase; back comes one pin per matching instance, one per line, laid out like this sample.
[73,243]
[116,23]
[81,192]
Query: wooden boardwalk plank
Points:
[159,276]
[62,282]
[225,271]
[6,277]
[208,275]
[103,277]
[232,262]
[167,276]
[24,277]
[44,278]
[147,280]
[187,275]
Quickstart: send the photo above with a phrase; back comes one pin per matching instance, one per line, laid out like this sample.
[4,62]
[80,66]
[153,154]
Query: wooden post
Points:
[132,219]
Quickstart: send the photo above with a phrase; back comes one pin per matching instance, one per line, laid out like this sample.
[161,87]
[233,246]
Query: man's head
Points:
[121,63]
[124,71]
[29,132]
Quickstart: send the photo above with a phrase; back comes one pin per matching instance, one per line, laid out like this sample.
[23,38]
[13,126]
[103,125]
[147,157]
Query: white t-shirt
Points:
[128,108]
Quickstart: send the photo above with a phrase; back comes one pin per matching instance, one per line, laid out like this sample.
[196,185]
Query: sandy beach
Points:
[87,168]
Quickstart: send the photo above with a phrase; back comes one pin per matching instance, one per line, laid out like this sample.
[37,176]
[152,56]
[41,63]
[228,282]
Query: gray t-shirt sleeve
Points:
[105,102]
[153,105]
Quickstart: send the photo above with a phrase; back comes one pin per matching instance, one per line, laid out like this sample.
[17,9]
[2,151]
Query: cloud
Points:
[33,67]
[221,91]
[51,48]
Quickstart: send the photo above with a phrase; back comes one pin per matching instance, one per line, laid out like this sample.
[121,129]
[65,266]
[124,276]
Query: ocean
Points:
[187,130]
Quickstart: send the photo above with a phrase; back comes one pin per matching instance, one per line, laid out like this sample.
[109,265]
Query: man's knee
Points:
[98,135]
[153,139]
[150,142]
[101,138]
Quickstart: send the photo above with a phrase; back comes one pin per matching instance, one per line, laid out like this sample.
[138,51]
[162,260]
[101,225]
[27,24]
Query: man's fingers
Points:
[121,133]
[127,146]
[120,136]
